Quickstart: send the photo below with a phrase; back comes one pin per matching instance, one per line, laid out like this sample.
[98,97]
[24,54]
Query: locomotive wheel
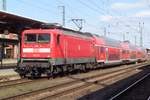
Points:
[62,71]
[32,75]
[54,72]
[39,75]
[49,74]
[84,68]
[70,69]
[22,75]
[35,73]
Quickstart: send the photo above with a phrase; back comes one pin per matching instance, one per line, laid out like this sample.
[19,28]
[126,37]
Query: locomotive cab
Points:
[35,52]
[36,45]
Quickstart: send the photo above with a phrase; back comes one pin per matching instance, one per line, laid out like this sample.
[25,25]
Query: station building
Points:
[11,26]
[9,45]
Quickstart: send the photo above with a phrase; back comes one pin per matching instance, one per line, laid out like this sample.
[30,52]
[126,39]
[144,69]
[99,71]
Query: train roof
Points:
[71,31]
[112,42]
[133,47]
[98,40]
[109,41]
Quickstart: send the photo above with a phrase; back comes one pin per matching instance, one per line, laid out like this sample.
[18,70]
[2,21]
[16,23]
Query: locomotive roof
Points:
[71,31]
[78,33]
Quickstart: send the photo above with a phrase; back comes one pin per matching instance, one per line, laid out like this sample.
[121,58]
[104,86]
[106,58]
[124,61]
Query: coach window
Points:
[139,53]
[102,49]
[58,39]
[124,51]
[127,51]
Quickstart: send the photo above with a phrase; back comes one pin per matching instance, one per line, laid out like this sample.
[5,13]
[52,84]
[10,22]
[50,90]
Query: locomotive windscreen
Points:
[42,37]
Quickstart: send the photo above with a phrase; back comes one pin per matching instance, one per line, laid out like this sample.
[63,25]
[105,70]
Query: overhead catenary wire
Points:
[85,4]
[95,5]
[74,12]
[91,7]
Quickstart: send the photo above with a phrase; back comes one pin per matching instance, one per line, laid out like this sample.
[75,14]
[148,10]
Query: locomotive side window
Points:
[30,38]
[58,39]
[43,37]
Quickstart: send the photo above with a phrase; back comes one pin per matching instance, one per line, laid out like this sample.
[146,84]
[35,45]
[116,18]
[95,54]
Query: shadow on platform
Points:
[111,90]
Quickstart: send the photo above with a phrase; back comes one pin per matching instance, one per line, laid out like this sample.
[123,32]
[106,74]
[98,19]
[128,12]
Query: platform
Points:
[7,72]
[8,63]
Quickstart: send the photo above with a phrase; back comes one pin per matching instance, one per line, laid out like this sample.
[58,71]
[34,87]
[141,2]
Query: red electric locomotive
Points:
[52,50]
[57,49]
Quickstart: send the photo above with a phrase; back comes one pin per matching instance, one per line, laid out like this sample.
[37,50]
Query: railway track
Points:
[127,89]
[14,82]
[9,78]
[70,87]
[84,86]
[148,98]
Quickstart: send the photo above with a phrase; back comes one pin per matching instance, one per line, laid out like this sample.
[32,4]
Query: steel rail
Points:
[14,83]
[148,98]
[129,87]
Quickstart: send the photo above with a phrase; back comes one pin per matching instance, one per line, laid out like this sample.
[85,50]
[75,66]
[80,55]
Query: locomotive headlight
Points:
[48,56]
[24,55]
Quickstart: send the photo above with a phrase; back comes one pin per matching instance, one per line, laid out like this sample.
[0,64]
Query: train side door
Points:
[107,55]
[98,53]
[103,53]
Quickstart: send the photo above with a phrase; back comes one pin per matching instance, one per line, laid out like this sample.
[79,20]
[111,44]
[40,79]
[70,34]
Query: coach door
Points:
[107,55]
[102,53]
[98,53]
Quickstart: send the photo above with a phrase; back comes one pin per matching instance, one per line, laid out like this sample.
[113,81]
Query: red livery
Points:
[57,49]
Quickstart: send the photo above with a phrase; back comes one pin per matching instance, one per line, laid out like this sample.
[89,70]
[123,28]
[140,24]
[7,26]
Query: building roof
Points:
[16,23]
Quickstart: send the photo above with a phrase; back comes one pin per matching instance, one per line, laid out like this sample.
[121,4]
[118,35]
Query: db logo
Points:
[36,50]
